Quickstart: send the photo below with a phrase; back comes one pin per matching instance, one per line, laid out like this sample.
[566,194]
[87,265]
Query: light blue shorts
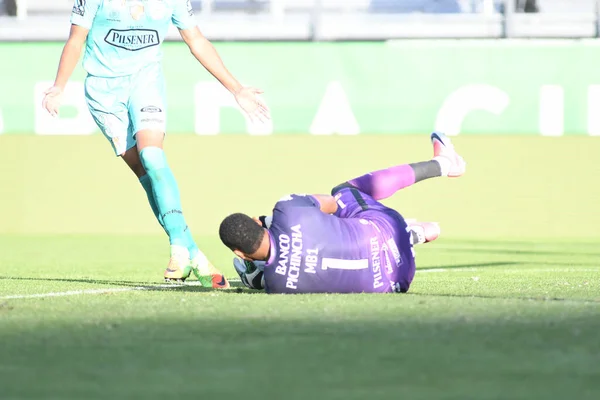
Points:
[125,105]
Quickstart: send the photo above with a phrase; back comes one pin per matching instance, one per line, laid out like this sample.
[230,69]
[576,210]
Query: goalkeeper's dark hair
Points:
[240,232]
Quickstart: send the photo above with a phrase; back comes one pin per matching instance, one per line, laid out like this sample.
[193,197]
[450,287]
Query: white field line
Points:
[171,286]
[100,291]
[508,270]
[69,293]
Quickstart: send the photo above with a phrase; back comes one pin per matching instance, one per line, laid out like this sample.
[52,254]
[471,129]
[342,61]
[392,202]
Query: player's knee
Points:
[138,169]
[149,138]
[132,159]
[153,158]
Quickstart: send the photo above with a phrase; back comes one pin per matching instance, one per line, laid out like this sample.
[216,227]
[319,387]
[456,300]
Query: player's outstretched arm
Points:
[206,54]
[68,62]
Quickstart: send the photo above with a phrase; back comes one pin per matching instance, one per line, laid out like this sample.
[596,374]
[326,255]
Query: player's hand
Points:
[253,106]
[52,100]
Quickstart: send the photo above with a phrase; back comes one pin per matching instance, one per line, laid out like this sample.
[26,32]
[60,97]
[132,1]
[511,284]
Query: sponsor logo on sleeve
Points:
[132,39]
[79,7]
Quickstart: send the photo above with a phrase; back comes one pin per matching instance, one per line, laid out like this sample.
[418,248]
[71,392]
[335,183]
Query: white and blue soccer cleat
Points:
[452,164]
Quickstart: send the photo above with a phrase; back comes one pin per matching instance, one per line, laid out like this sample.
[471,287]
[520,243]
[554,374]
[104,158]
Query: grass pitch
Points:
[505,305]
[484,320]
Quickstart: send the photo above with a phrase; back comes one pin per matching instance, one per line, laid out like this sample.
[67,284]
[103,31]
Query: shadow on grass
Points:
[564,264]
[522,242]
[526,298]
[163,286]
[89,281]
[509,251]
[238,288]
[471,265]
[356,352]
[512,263]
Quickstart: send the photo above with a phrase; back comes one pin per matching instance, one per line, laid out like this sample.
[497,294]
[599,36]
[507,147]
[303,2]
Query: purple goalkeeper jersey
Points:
[363,247]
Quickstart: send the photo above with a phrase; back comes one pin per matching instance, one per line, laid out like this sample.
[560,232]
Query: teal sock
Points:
[166,195]
[192,247]
[147,185]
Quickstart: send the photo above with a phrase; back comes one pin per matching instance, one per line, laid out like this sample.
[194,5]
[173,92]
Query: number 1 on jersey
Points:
[336,263]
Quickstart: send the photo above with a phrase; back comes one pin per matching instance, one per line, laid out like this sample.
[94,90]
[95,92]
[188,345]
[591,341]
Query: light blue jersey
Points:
[125,88]
[125,35]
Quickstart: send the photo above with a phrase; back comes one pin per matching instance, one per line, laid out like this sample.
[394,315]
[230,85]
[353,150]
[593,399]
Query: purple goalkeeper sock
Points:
[384,183]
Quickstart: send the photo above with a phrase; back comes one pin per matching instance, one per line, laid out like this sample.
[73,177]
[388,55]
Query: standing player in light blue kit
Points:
[125,92]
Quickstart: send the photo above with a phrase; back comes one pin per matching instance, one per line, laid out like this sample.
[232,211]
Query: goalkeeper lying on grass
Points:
[344,243]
